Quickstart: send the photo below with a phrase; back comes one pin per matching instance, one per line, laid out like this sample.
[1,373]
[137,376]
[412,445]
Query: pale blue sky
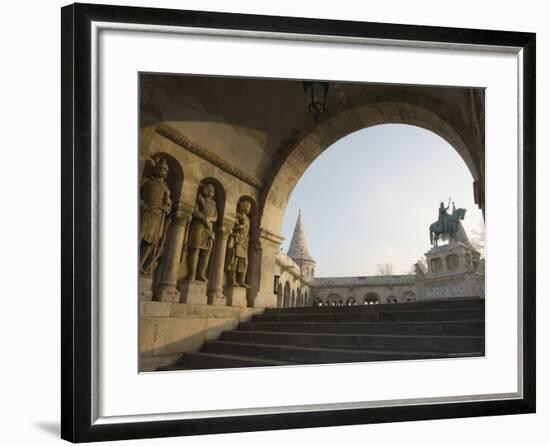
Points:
[371,196]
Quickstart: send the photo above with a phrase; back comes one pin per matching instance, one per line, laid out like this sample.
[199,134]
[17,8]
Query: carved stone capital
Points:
[182,213]
[226,227]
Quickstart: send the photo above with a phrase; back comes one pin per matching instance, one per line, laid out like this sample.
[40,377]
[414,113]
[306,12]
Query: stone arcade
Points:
[216,176]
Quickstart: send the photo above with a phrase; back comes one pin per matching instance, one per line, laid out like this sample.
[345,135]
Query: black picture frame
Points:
[76,238]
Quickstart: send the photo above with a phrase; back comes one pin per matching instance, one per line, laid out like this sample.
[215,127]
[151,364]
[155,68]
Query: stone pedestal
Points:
[145,287]
[453,271]
[236,296]
[193,292]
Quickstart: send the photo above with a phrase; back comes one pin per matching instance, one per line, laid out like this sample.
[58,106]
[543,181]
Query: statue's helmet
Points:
[244,206]
[208,190]
[161,168]
[441,205]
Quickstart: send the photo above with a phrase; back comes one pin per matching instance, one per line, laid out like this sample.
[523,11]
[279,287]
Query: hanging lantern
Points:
[316,93]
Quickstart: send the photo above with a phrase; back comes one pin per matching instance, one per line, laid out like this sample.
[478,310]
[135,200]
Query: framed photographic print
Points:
[275,222]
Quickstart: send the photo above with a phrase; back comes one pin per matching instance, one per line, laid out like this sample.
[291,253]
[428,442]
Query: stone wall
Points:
[167,330]
[364,290]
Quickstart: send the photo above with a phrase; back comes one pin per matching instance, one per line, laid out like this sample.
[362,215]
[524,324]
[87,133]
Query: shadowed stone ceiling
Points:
[254,121]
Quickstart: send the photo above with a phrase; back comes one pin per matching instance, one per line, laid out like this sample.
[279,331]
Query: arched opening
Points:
[409,296]
[333,300]
[386,183]
[369,111]
[371,299]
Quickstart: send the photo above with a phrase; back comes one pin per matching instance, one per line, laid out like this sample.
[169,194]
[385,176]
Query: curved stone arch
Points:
[391,299]
[408,296]
[351,301]
[293,298]
[333,299]
[371,298]
[387,108]
[317,302]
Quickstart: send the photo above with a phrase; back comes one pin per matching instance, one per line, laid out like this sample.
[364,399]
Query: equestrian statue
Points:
[446,226]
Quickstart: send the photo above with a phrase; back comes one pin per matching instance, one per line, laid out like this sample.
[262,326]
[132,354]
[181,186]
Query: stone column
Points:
[166,290]
[269,246]
[254,266]
[215,279]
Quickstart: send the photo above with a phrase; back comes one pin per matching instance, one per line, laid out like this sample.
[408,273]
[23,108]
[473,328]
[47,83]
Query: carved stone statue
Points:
[201,233]
[446,225]
[236,261]
[419,269]
[155,204]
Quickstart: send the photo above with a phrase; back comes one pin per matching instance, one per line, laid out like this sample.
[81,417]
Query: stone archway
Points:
[264,154]
[408,296]
[371,299]
[384,107]
[390,108]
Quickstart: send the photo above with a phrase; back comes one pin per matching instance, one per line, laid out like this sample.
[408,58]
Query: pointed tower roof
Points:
[298,249]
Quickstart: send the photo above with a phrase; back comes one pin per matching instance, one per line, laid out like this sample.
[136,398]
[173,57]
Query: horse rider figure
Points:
[443,219]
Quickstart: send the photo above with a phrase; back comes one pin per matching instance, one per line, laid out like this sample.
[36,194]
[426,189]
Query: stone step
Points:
[200,360]
[437,343]
[472,327]
[469,302]
[315,355]
[374,316]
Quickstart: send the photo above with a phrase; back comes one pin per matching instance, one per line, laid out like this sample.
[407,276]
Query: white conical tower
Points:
[299,251]
[298,246]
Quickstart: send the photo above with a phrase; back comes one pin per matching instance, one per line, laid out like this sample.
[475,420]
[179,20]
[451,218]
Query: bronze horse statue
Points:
[448,233]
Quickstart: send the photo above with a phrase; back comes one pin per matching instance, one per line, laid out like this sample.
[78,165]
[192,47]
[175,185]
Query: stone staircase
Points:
[289,336]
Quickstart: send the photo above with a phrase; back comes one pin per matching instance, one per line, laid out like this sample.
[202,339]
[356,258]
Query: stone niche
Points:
[454,270]
[160,190]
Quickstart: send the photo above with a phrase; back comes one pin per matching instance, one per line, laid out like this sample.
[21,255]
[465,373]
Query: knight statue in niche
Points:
[201,233]
[236,261]
[155,204]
